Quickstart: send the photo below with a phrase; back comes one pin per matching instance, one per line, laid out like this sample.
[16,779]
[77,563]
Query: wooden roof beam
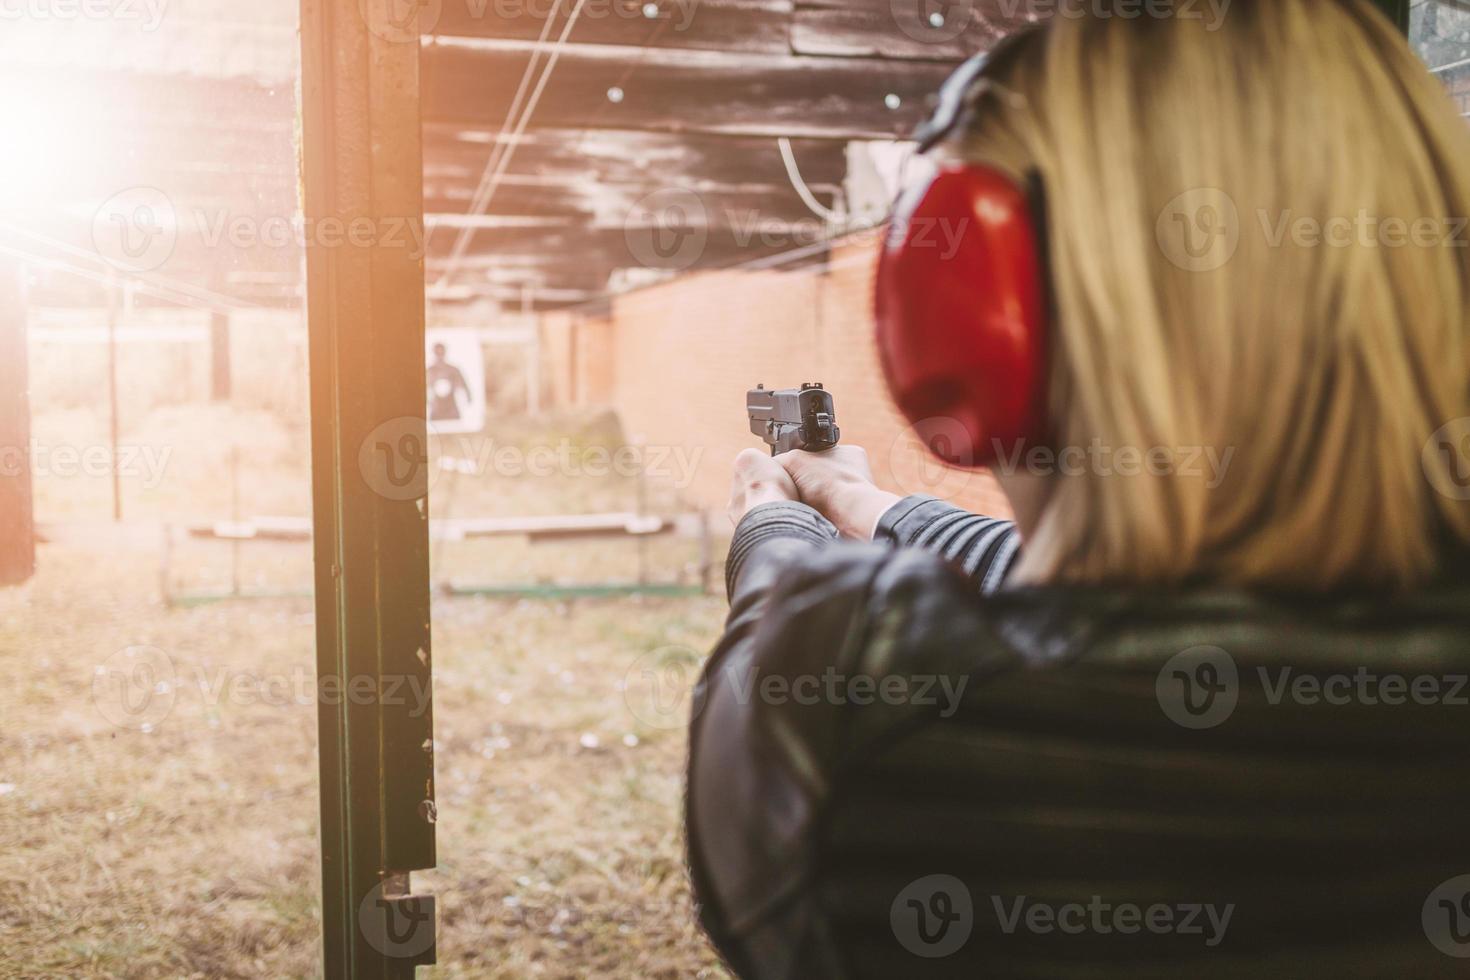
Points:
[470,83]
[718,25]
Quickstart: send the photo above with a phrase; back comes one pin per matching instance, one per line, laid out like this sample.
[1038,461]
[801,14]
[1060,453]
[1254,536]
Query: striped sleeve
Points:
[983,548]
[770,535]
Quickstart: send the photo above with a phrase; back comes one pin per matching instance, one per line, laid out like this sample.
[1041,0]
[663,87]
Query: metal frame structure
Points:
[362,164]
[638,528]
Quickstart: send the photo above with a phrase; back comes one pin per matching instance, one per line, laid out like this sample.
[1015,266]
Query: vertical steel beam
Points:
[17,520]
[363,180]
[114,313]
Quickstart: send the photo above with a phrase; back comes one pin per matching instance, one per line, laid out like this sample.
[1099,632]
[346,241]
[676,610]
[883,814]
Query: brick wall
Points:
[675,360]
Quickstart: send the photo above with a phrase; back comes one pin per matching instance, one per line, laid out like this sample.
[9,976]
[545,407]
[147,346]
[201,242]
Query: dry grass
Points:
[191,850]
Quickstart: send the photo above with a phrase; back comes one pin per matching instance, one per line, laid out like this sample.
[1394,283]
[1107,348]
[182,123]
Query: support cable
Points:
[482,203]
[793,173]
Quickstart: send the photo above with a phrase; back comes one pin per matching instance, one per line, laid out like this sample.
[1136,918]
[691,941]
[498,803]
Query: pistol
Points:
[793,418]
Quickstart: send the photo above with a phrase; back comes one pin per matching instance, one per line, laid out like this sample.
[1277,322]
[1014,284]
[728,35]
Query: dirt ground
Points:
[185,844]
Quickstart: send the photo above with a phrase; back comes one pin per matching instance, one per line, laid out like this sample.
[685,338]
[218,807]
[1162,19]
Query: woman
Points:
[924,755]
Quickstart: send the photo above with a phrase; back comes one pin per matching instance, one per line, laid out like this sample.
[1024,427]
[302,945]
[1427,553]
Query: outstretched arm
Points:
[839,484]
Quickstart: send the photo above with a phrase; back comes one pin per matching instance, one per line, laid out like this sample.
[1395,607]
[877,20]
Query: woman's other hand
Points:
[758,479]
[839,483]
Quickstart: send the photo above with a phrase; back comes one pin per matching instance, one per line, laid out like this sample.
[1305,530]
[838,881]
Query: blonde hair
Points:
[1316,372]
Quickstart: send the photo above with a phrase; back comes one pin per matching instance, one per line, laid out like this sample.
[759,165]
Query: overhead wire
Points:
[202,298]
[462,242]
[793,174]
[512,114]
[111,279]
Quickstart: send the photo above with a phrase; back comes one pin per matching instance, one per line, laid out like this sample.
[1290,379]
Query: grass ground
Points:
[190,849]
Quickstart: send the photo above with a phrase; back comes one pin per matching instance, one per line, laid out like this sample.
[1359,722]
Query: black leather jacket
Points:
[901,768]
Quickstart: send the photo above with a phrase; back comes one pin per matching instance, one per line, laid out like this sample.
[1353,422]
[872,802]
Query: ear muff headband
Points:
[956,96]
[961,296]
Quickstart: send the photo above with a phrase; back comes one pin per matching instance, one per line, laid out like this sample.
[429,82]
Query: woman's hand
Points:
[839,484]
[758,479]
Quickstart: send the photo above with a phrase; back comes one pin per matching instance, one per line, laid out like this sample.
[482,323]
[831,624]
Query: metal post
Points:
[642,541]
[706,552]
[219,356]
[165,564]
[235,518]
[114,305]
[17,518]
[362,160]
[533,353]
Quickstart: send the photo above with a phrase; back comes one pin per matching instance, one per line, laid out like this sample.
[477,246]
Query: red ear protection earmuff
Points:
[962,301]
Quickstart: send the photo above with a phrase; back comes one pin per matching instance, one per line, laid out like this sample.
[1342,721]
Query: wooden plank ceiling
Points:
[657,108]
[659,121]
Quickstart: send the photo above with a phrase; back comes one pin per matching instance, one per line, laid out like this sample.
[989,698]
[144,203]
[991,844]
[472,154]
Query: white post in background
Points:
[533,355]
[17,503]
